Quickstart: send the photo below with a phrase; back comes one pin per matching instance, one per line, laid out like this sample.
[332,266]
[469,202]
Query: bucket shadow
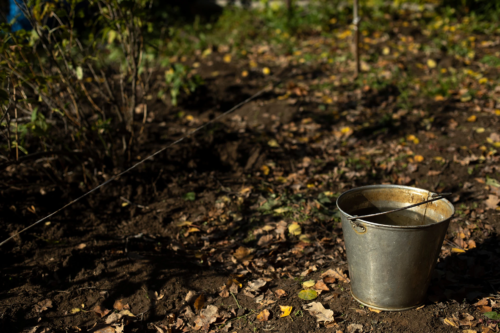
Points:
[469,276]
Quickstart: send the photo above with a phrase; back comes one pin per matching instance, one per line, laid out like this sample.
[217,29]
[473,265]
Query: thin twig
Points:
[237,303]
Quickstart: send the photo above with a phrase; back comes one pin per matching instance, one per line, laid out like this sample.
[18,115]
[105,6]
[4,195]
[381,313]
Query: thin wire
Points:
[141,162]
[441,196]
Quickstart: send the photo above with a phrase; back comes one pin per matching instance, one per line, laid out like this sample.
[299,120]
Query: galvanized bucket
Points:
[391,257]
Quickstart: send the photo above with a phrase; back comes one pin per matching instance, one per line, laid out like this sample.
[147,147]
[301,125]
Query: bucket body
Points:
[391,258]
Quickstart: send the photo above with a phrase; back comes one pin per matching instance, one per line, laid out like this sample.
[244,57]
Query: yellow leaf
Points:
[419,158]
[345,130]
[253,64]
[305,239]
[450,322]
[294,229]
[483,80]
[244,73]
[75,310]
[431,63]
[386,50]
[480,130]
[273,143]
[465,98]
[497,112]
[472,118]
[265,170]
[125,204]
[285,310]
[333,20]
[439,98]
[206,53]
[374,310]
[180,224]
[457,250]
[283,97]
[309,284]
[227,58]
[189,117]
[438,158]
[191,230]
[266,71]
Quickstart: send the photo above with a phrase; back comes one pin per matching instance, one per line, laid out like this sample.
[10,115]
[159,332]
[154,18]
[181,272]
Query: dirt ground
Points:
[200,224]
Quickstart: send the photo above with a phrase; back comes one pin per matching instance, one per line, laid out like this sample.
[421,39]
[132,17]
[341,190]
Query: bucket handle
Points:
[435,195]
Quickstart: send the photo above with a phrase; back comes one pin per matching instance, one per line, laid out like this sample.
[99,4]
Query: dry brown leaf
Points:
[355,328]
[206,317]
[316,309]
[280,293]
[120,306]
[337,273]
[469,331]
[224,293]
[256,284]
[451,322]
[243,254]
[200,302]
[485,309]
[114,317]
[320,285]
[329,279]
[43,305]
[492,201]
[263,316]
[102,312]
[482,302]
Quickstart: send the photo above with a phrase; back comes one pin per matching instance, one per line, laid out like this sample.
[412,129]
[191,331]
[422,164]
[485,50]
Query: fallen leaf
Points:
[115,316]
[472,118]
[320,285]
[374,310]
[431,63]
[329,279]
[243,254]
[199,303]
[280,293]
[263,316]
[266,71]
[101,312]
[469,331]
[308,294]
[43,305]
[308,284]
[317,310]
[418,158]
[118,305]
[451,322]
[337,274]
[285,310]
[294,229]
[355,328]
[75,310]
[492,201]
[180,224]
[81,246]
[457,250]
[206,317]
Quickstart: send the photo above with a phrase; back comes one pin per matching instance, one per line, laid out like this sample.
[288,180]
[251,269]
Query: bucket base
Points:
[382,308]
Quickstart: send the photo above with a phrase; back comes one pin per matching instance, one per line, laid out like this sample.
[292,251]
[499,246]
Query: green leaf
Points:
[492,182]
[191,196]
[308,294]
[492,315]
[79,72]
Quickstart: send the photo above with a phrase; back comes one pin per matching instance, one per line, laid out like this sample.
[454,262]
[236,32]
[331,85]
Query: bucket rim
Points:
[379,225]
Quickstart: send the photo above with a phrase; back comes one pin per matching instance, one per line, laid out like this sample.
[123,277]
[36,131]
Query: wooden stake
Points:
[355,22]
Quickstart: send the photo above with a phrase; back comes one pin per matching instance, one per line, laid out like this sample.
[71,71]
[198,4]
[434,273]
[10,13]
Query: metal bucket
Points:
[391,259]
